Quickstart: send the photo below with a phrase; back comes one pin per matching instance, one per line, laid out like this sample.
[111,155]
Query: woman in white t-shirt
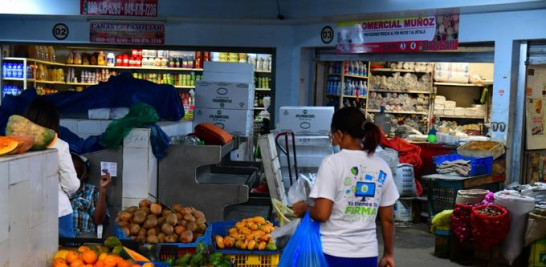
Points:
[44,113]
[353,187]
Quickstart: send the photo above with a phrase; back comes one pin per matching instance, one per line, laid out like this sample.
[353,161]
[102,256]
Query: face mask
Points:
[336,149]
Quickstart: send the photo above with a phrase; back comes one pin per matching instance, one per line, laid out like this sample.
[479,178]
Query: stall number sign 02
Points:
[327,34]
[60,31]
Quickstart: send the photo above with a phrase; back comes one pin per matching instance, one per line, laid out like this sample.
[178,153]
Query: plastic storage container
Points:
[244,258]
[478,166]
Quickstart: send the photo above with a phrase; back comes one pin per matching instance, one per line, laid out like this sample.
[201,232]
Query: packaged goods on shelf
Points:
[451,72]
[10,90]
[450,104]
[401,83]
[412,66]
[399,102]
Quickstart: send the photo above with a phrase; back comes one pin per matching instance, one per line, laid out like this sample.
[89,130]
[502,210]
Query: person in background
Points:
[352,187]
[89,202]
[44,113]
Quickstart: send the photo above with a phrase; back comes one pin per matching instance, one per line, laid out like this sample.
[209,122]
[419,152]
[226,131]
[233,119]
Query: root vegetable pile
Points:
[153,223]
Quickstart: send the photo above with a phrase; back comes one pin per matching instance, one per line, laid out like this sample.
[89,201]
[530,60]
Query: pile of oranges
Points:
[85,257]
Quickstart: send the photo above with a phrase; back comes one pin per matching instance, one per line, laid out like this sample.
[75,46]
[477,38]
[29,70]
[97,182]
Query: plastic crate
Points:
[478,166]
[221,229]
[442,194]
[156,263]
[246,260]
[173,250]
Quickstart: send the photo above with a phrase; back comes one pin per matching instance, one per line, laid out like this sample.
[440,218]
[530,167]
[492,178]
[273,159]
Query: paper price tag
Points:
[110,167]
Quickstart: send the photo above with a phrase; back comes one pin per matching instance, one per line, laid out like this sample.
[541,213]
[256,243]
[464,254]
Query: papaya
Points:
[112,242]
[25,143]
[7,145]
[21,126]
[129,254]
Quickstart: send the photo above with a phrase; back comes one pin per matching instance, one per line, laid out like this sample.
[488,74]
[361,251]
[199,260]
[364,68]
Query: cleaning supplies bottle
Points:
[431,136]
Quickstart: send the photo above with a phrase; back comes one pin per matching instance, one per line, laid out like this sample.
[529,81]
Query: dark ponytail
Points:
[353,122]
[372,138]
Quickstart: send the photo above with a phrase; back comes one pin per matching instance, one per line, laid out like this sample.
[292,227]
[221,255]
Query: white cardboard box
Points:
[224,95]
[460,111]
[236,122]
[211,76]
[449,111]
[306,120]
[450,104]
[228,67]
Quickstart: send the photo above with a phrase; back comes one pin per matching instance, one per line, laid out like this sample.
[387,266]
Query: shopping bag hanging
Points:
[304,248]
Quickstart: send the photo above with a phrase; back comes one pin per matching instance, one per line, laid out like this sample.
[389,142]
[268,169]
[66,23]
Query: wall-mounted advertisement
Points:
[412,34]
[132,8]
[127,33]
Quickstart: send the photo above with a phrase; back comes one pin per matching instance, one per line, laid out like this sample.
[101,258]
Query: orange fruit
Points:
[124,263]
[148,264]
[72,256]
[99,263]
[77,263]
[82,249]
[89,257]
[110,261]
[102,256]
[135,265]
[59,263]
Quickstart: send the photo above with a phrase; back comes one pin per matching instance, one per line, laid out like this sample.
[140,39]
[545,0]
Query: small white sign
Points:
[110,167]
[60,31]
[327,34]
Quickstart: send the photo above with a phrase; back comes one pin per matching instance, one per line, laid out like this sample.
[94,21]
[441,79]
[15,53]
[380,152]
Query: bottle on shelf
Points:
[70,58]
[77,58]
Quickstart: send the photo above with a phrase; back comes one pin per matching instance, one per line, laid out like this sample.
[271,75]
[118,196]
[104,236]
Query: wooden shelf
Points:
[263,89]
[399,92]
[49,82]
[461,117]
[81,84]
[461,84]
[262,71]
[400,112]
[397,70]
[354,96]
[184,86]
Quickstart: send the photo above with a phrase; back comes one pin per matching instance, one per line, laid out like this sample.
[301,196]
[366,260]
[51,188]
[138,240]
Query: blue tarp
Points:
[120,91]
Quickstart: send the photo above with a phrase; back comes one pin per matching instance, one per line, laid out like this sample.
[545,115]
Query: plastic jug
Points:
[383,120]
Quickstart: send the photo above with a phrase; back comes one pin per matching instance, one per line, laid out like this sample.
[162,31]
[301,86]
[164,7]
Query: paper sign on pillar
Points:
[225,97]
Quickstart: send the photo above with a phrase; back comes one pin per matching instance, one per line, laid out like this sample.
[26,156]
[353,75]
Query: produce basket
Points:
[478,166]
[482,149]
[490,224]
[68,242]
[172,250]
[442,190]
[244,258]
[156,263]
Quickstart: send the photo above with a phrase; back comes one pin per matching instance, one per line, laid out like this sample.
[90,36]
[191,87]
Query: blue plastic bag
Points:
[304,248]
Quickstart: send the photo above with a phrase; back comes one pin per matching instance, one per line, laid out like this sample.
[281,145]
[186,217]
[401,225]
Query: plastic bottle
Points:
[383,120]
[52,56]
[431,136]
[77,58]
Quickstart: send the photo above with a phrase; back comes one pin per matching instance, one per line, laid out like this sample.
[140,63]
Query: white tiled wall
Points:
[86,128]
[28,204]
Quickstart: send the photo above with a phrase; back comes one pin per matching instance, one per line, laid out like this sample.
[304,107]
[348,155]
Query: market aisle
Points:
[414,246]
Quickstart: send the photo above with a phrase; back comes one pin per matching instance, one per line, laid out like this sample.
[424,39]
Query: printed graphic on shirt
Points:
[363,193]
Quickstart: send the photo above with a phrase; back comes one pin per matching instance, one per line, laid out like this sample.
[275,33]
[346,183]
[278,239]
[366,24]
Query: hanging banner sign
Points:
[413,34]
[133,8]
[127,33]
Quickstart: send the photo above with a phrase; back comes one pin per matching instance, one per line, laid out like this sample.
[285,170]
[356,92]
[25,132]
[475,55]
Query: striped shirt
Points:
[83,205]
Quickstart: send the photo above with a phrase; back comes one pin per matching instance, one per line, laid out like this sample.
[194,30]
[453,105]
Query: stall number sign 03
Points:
[327,34]
[60,31]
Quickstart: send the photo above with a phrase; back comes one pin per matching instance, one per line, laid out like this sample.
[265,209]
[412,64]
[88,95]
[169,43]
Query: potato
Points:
[186,236]
[135,228]
[144,203]
[139,219]
[152,231]
[171,238]
[150,223]
[142,231]
[161,221]
[179,229]
[179,217]
[141,213]
[141,239]
[155,208]
[189,218]
[167,229]
[151,216]
[166,212]
[131,209]
[161,237]
[123,224]
[152,239]
[201,227]
[185,211]
[192,226]
[198,214]
[200,221]
[177,207]
[183,223]
[171,219]
[125,216]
